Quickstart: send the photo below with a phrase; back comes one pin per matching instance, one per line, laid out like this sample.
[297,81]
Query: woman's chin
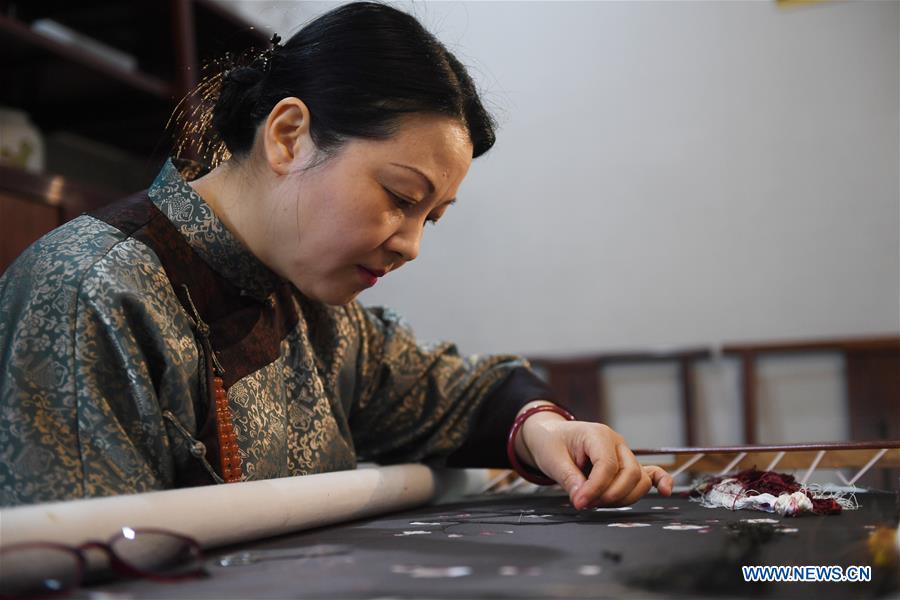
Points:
[332,297]
[340,301]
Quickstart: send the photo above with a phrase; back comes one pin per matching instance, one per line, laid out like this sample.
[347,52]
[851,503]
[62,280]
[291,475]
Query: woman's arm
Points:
[419,402]
[91,344]
[589,460]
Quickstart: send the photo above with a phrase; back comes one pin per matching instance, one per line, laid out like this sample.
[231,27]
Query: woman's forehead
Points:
[437,148]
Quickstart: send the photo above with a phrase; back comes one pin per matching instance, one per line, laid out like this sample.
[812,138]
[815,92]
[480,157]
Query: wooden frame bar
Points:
[834,455]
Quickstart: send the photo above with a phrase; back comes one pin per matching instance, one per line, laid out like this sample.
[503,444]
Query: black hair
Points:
[358,68]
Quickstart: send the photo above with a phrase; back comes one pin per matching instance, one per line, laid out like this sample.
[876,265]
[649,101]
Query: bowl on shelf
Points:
[21,143]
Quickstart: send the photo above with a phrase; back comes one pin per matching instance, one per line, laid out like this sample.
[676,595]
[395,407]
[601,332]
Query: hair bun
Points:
[233,113]
[243,76]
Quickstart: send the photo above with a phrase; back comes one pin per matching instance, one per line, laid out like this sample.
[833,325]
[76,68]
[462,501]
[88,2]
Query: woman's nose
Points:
[406,240]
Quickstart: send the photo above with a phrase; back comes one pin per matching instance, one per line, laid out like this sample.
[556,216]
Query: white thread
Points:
[868,466]
[812,467]
[775,461]
[730,466]
[687,465]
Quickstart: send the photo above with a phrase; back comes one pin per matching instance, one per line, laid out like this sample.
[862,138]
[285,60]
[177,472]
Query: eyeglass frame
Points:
[119,565]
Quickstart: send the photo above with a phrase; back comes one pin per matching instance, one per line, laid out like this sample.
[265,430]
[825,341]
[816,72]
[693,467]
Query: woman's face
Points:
[338,227]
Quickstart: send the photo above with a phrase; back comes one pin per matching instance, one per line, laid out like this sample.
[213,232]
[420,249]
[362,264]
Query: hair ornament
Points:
[265,58]
[194,137]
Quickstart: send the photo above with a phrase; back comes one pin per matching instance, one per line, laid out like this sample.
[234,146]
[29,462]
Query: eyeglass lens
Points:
[158,554]
[38,571]
[41,570]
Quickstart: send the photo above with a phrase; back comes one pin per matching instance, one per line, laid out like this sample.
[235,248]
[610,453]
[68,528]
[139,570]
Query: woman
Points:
[206,331]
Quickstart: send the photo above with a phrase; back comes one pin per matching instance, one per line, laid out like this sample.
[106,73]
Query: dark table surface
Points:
[533,546]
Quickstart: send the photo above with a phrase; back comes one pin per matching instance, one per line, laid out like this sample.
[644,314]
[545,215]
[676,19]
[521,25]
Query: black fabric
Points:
[485,447]
[538,546]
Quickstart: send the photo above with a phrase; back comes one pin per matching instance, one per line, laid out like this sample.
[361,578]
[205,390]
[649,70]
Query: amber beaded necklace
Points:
[230,458]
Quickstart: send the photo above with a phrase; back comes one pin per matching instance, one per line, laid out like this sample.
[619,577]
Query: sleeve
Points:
[85,364]
[418,402]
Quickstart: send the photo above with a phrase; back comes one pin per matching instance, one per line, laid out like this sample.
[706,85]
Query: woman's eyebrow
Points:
[420,173]
[425,177]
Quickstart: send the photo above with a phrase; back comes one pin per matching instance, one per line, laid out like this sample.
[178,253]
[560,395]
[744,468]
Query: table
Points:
[537,546]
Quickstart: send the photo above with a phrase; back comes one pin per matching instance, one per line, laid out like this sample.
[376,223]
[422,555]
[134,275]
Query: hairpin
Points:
[265,58]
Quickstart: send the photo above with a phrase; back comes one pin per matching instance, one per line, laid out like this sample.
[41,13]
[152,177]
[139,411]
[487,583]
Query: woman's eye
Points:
[405,203]
[400,200]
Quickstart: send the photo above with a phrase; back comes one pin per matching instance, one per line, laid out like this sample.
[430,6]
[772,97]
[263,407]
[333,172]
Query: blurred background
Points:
[690,220]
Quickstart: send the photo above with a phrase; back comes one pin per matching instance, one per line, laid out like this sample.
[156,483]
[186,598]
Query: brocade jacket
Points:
[111,328]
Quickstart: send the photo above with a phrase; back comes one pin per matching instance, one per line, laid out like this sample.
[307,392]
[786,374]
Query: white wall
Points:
[666,174]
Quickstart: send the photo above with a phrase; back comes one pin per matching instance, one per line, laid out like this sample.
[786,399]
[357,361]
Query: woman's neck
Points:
[226,190]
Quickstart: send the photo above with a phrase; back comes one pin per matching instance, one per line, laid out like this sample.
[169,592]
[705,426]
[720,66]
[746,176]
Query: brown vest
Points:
[243,333]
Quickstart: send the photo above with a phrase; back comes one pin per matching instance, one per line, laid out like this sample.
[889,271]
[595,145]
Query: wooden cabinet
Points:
[32,205]
[123,110]
[23,222]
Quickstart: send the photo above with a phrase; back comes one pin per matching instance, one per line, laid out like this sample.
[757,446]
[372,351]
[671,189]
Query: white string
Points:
[496,481]
[687,465]
[868,466]
[775,460]
[518,484]
[846,500]
[730,466]
[812,467]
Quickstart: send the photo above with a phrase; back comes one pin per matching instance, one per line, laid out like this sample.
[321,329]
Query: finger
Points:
[652,476]
[662,481]
[601,449]
[628,477]
[637,492]
[561,468]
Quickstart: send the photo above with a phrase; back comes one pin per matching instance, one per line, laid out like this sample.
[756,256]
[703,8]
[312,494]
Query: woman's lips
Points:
[369,278]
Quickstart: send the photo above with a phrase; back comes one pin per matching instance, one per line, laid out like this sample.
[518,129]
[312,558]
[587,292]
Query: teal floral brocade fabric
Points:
[95,346]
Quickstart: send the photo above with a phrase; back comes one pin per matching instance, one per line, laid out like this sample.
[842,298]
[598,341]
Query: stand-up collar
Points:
[208,236]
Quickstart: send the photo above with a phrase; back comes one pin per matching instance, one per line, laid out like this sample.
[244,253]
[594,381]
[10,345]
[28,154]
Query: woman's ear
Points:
[286,136]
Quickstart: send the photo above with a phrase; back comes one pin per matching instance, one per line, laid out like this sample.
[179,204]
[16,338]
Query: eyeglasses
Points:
[47,569]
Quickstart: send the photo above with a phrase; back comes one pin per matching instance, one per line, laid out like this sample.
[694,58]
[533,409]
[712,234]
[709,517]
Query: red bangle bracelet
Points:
[527,475]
